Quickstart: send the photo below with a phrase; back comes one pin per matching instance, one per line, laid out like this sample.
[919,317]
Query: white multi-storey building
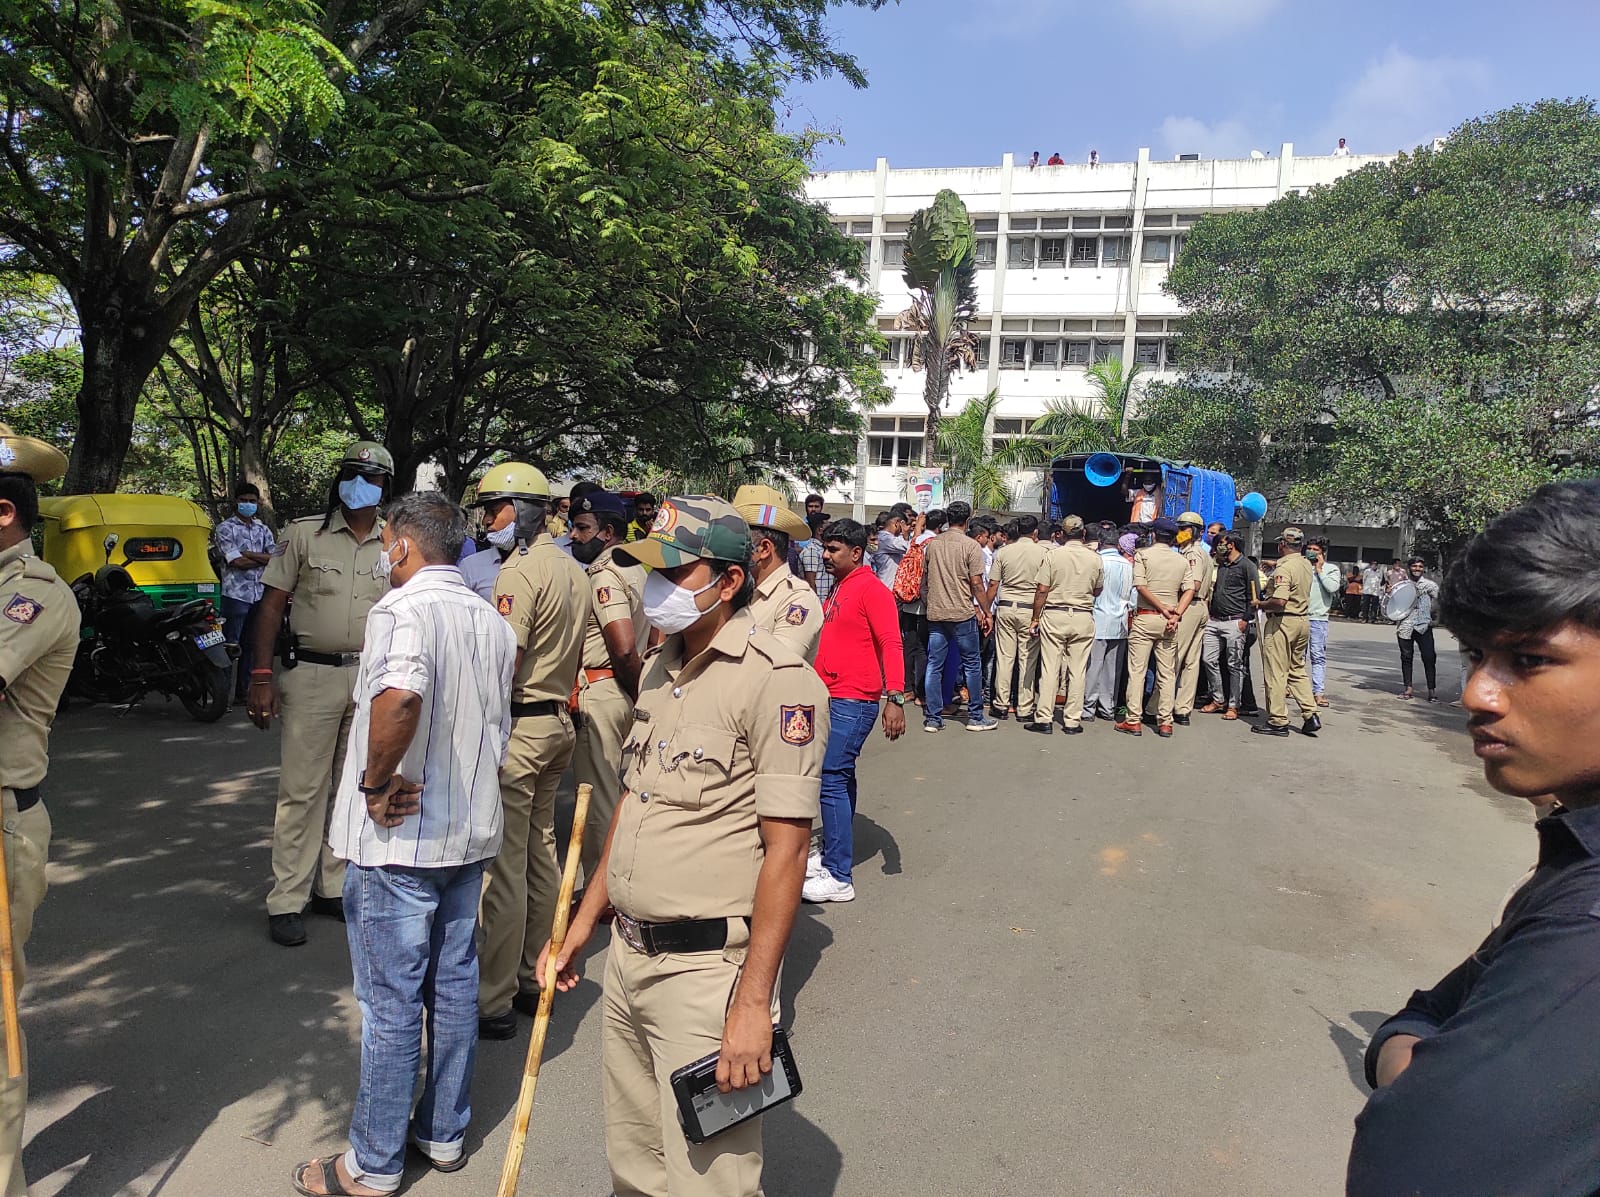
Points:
[1071,261]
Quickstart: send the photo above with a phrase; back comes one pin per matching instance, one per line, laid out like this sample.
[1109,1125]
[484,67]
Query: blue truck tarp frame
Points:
[1069,490]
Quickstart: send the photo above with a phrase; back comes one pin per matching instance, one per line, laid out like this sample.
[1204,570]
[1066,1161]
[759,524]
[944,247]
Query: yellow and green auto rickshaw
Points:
[163,542]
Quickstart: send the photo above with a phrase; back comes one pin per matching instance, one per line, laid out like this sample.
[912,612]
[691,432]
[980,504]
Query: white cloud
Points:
[1228,138]
[1200,17]
[1401,101]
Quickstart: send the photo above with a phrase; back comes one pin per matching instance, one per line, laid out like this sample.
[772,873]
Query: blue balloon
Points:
[1254,506]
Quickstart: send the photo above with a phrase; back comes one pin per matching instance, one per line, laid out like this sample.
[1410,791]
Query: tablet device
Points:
[705,1112]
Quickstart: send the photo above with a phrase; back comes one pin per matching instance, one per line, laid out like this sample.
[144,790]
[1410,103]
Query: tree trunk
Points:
[253,466]
[933,395]
[120,352]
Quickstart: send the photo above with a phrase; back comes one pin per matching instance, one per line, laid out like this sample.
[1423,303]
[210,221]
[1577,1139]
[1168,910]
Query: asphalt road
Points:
[1077,965]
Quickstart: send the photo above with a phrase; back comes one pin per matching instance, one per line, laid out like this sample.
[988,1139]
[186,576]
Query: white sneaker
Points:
[814,864]
[827,888]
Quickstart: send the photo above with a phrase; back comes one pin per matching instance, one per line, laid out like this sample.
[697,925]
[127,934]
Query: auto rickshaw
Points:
[164,541]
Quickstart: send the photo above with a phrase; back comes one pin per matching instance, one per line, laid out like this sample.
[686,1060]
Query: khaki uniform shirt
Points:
[545,597]
[1204,570]
[38,641]
[329,573]
[1016,568]
[1291,581]
[1163,573]
[718,742]
[1073,574]
[616,594]
[785,606]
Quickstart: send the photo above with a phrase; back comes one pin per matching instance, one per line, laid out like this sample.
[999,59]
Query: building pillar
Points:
[1285,168]
[1136,203]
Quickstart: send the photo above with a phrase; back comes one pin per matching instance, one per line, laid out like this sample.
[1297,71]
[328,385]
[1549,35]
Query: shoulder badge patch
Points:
[796,615]
[603,595]
[799,724]
[22,609]
[503,604]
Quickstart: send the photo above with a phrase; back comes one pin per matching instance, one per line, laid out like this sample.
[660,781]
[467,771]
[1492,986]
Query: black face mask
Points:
[588,551]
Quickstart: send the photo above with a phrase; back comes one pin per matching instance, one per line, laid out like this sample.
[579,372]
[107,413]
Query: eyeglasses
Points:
[351,472]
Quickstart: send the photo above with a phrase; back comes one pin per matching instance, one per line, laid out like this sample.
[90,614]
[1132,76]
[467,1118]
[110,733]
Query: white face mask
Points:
[382,567]
[503,538]
[670,607]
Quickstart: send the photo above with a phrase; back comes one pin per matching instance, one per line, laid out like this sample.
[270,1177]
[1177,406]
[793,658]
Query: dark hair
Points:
[1107,537]
[958,512]
[852,533]
[644,496]
[1527,571]
[21,493]
[815,520]
[813,497]
[936,518]
[741,597]
[247,488]
[1013,529]
[905,511]
[614,520]
[1027,525]
[1236,539]
[1410,561]
[778,540]
[882,519]
[432,522]
[1165,537]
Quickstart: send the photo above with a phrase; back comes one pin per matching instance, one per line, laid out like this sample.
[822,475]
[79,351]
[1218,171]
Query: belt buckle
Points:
[631,933]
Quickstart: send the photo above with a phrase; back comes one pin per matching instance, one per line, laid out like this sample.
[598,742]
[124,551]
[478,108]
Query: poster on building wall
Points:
[926,486]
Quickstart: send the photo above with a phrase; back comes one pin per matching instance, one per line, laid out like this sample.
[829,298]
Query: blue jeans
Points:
[1317,654]
[416,967]
[964,635]
[850,722]
[239,626]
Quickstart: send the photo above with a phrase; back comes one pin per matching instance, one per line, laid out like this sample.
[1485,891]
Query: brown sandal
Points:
[1231,714]
[332,1186]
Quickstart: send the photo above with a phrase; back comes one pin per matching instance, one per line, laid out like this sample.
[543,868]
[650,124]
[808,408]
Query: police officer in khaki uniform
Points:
[38,640]
[1063,619]
[325,562]
[705,859]
[1164,581]
[1192,627]
[543,594]
[1015,576]
[783,604]
[1287,601]
[614,643]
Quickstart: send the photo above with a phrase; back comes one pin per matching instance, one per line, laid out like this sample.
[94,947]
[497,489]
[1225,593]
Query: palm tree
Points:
[965,447]
[1068,427]
[939,270]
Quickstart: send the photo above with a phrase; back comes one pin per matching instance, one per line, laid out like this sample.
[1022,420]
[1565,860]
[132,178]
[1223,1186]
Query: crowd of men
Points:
[431,694]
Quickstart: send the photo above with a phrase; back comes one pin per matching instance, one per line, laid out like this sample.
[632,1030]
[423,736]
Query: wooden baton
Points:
[8,977]
[510,1173]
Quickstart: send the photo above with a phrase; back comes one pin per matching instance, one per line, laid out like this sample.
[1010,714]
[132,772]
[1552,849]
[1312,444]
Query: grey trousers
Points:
[1223,636]
[1100,691]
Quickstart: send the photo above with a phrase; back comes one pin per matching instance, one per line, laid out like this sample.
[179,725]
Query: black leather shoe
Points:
[501,1026]
[287,930]
[1074,731]
[1181,720]
[526,1002]
[332,908]
[1311,726]
[1266,729]
[1044,729]
[999,713]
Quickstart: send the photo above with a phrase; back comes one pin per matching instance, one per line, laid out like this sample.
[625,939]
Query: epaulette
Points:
[38,570]
[774,650]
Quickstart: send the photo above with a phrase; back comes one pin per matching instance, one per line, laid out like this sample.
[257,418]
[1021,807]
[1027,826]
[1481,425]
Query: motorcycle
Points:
[131,646]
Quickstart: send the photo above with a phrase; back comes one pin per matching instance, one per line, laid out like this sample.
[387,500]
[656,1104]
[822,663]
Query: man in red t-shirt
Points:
[858,658]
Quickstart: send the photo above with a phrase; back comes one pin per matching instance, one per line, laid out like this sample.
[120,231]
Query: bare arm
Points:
[622,647]
[596,901]
[393,725]
[263,700]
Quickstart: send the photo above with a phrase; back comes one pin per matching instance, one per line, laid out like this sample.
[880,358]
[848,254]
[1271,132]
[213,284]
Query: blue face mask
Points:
[245,508]
[358,494]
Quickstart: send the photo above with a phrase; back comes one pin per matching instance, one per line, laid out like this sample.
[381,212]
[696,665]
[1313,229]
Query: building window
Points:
[1172,353]
[1078,353]
[866,256]
[983,253]
[894,253]
[1019,252]
[1009,428]
[1013,353]
[1086,251]
[1156,249]
[983,351]
[1113,251]
[895,441]
[1107,351]
[1046,352]
[1147,353]
[1053,252]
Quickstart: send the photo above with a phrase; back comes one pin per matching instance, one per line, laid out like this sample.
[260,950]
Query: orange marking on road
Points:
[1112,860]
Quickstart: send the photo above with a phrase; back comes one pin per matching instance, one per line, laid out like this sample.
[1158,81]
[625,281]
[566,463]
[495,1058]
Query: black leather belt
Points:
[687,935]
[549,706]
[26,799]
[1013,603]
[341,659]
[1066,607]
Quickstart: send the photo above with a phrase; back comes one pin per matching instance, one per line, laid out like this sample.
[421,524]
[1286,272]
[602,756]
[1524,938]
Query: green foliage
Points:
[966,449]
[940,271]
[1449,300]
[1068,427]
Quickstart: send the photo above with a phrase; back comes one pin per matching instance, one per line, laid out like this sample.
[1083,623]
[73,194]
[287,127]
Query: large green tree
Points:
[940,269]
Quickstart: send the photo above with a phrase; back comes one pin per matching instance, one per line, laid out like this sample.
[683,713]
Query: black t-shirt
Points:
[1230,599]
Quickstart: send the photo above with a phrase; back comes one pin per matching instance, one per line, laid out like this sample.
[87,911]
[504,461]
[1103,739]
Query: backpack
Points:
[908,575]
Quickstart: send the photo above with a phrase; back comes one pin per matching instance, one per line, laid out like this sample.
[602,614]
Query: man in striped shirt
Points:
[416,817]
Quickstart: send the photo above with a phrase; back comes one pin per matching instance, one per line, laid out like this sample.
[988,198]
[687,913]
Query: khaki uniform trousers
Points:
[1015,649]
[660,1013]
[597,759]
[1149,631]
[317,703]
[1067,637]
[27,847]
[519,898]
[1190,643]
[1283,648]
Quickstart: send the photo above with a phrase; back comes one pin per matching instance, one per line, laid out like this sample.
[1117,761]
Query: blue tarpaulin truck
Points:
[1096,485]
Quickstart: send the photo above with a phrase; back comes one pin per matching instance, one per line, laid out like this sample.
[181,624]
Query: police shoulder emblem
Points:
[603,594]
[799,724]
[22,609]
[796,615]
[503,604]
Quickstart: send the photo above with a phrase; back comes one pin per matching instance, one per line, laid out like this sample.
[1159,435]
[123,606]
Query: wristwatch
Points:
[361,784]
[898,697]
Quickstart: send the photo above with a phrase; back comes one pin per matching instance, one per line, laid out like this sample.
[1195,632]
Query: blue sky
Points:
[960,82]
